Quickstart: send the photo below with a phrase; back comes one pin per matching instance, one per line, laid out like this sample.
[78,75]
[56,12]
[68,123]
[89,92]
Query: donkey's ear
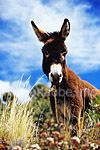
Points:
[65,29]
[42,36]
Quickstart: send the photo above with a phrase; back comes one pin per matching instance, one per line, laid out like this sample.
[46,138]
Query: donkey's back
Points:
[82,88]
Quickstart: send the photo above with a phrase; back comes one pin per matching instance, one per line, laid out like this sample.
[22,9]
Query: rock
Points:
[54,144]
[75,140]
[56,133]
[44,133]
[35,147]
[17,148]
[98,125]
[50,139]
[2,147]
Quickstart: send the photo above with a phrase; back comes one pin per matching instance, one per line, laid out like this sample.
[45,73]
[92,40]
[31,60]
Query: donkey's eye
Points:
[64,54]
[47,54]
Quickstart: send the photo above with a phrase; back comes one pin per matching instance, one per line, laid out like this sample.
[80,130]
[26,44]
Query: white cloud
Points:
[24,51]
[19,88]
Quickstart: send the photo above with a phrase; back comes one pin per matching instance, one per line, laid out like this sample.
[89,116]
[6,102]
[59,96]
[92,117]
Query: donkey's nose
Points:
[56,78]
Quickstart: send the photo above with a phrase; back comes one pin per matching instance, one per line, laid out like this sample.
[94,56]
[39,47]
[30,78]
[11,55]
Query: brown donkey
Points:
[73,94]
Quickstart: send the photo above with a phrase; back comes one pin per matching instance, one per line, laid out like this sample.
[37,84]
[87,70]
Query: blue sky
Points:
[20,50]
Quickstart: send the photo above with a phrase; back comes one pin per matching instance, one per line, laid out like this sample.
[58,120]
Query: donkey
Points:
[73,94]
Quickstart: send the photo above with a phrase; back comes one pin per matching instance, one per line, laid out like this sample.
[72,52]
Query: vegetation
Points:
[31,125]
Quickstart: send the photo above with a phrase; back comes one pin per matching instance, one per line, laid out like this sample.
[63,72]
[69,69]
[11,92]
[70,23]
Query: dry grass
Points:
[17,125]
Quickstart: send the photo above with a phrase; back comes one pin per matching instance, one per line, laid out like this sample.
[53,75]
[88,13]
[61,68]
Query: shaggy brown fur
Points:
[73,94]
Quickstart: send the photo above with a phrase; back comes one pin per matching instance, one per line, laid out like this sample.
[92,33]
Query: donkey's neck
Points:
[69,78]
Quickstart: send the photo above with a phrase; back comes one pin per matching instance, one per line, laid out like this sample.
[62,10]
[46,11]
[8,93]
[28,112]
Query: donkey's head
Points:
[54,51]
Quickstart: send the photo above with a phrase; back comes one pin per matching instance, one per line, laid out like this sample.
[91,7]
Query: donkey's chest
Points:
[64,112]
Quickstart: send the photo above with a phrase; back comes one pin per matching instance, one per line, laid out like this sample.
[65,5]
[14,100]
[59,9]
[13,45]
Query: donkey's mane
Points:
[53,35]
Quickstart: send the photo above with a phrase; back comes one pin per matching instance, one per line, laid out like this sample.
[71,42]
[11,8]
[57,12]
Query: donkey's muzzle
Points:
[56,78]
[55,75]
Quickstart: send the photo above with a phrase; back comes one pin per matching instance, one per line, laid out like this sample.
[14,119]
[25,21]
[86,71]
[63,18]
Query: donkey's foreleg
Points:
[52,103]
[76,122]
